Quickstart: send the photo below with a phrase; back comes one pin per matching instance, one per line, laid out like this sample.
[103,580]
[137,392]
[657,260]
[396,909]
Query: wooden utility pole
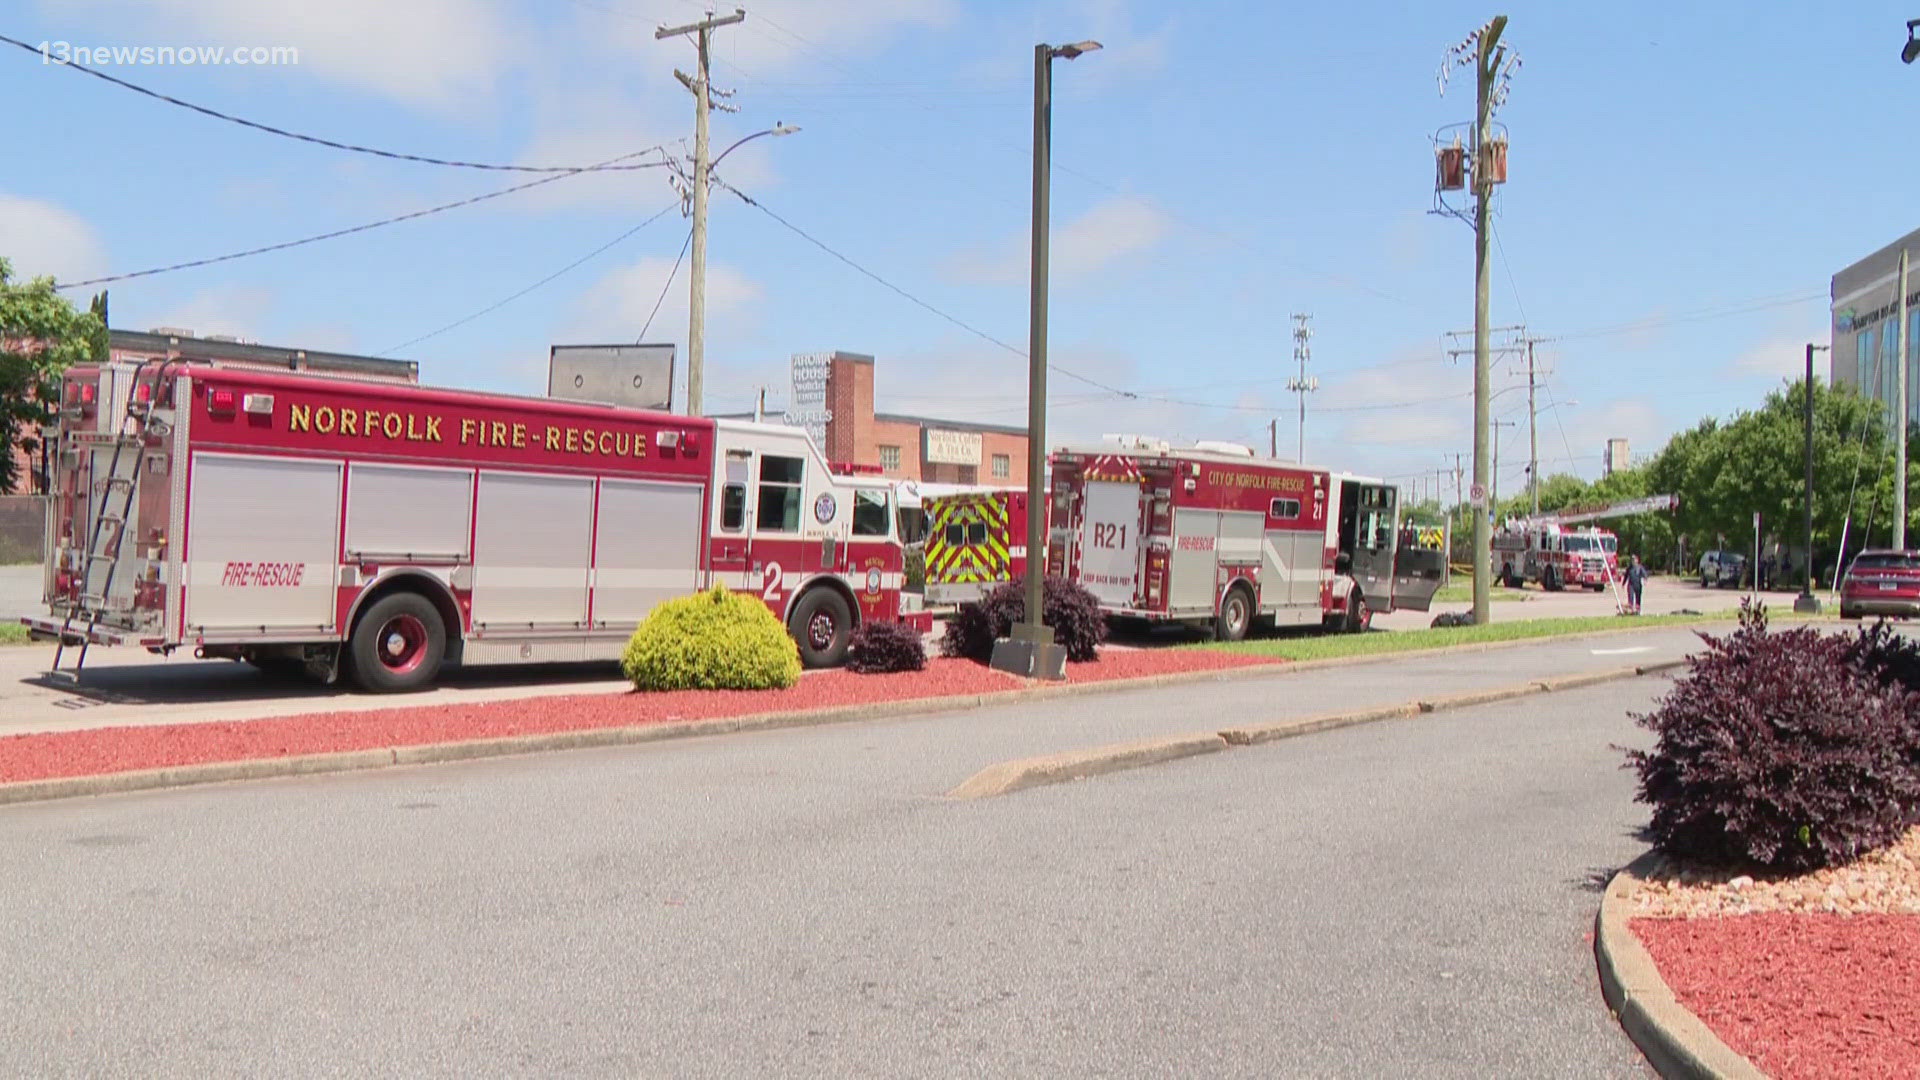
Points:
[697,268]
[1900,420]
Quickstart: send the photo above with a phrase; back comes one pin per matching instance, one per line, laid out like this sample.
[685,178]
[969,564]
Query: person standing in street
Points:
[1636,583]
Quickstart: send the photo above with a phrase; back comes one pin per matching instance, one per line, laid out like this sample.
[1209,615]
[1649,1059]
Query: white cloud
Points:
[1783,355]
[425,52]
[617,306]
[239,310]
[1110,232]
[43,239]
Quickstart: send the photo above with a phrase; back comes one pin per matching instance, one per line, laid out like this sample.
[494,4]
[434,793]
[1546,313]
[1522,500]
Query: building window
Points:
[780,479]
[1002,466]
[890,458]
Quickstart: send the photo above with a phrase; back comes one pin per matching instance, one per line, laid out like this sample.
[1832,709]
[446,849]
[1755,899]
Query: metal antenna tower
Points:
[1302,386]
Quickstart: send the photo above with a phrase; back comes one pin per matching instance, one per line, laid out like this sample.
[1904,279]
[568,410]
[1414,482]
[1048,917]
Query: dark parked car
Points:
[1882,583]
[1724,569]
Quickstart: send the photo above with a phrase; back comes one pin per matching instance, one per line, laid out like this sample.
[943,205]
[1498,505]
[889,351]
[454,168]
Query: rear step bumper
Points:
[44,628]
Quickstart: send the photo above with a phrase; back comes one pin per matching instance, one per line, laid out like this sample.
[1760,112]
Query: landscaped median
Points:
[164,755]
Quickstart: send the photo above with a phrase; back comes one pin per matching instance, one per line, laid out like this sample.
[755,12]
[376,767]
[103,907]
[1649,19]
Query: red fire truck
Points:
[1554,555]
[306,522]
[1213,535]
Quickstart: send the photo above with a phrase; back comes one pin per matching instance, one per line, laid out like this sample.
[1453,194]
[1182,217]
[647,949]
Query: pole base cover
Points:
[1030,659]
[1806,604]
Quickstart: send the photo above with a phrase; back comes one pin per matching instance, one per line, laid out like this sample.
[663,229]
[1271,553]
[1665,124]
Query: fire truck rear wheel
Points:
[822,624]
[1236,615]
[398,644]
[1550,579]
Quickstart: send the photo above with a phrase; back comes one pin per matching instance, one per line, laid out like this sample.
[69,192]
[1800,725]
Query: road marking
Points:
[1618,652]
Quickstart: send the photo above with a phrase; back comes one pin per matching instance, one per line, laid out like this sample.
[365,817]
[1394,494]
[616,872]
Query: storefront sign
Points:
[807,403]
[952,447]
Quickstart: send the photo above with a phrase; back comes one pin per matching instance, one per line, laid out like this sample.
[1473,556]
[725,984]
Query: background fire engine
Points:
[1548,550]
[299,521]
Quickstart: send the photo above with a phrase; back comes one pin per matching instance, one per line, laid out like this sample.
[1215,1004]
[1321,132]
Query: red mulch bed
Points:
[1800,995]
[123,749]
[1138,663]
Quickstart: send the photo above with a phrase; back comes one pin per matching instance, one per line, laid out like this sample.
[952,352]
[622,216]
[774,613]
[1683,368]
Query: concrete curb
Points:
[1009,776]
[436,753]
[1004,777]
[1676,1043]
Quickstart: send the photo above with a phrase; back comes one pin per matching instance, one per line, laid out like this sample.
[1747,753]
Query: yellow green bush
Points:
[715,640]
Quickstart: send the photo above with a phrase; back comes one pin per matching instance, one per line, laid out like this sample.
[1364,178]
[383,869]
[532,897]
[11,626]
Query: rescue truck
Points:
[1211,535]
[976,540]
[300,522]
[1555,555]
[1548,550]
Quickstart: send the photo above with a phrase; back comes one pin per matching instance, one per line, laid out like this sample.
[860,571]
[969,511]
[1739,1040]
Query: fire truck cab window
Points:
[780,491]
[870,516]
[733,497]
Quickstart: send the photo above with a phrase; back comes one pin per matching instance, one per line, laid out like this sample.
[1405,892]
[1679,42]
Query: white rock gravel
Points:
[1886,882]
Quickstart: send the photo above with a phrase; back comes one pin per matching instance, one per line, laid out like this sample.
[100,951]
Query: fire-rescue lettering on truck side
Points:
[1211,535]
[303,521]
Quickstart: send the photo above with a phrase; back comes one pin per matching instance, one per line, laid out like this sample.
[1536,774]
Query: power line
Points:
[335,233]
[316,140]
[503,302]
[968,327]
[664,286]
[1654,322]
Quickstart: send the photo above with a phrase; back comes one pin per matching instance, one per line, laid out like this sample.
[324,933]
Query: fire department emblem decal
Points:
[873,580]
[823,508]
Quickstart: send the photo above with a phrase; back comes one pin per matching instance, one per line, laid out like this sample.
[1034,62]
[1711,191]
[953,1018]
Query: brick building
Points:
[833,397]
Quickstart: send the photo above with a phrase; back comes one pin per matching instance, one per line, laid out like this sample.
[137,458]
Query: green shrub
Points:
[715,640]
[916,570]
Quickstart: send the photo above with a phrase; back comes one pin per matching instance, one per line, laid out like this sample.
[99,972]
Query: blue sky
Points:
[1683,179]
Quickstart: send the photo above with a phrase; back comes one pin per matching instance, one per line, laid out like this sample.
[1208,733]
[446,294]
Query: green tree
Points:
[40,335]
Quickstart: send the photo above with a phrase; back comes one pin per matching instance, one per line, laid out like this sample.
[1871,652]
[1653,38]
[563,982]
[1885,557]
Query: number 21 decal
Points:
[1108,535]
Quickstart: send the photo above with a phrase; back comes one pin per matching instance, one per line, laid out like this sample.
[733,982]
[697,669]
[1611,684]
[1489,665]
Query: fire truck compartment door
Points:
[263,544]
[1110,542]
[530,550]
[1418,573]
[647,548]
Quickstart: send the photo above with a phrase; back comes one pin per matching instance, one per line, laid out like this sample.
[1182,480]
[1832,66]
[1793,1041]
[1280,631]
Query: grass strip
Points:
[1321,646]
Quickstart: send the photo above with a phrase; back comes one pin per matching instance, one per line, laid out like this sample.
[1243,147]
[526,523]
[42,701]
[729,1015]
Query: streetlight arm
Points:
[777,129]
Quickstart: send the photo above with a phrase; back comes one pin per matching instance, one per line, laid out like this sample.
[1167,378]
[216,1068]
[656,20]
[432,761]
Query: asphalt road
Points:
[1401,899]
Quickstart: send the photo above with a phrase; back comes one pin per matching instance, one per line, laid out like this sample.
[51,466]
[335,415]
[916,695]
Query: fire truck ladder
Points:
[136,426]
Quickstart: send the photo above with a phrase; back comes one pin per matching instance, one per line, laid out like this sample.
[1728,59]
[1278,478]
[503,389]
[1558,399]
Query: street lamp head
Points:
[1912,49]
[1078,47]
[783,129]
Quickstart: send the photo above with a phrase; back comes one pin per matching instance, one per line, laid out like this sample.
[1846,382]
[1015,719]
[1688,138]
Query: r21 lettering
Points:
[1106,535]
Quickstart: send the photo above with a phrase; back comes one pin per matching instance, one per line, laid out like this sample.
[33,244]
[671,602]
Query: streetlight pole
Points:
[1806,601]
[1031,651]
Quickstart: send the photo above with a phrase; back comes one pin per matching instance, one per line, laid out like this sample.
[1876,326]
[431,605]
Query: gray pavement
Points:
[1400,899]
[1664,596]
[136,689]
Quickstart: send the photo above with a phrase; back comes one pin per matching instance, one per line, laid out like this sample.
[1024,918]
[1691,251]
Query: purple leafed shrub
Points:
[1782,749]
[880,647]
[1070,610]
